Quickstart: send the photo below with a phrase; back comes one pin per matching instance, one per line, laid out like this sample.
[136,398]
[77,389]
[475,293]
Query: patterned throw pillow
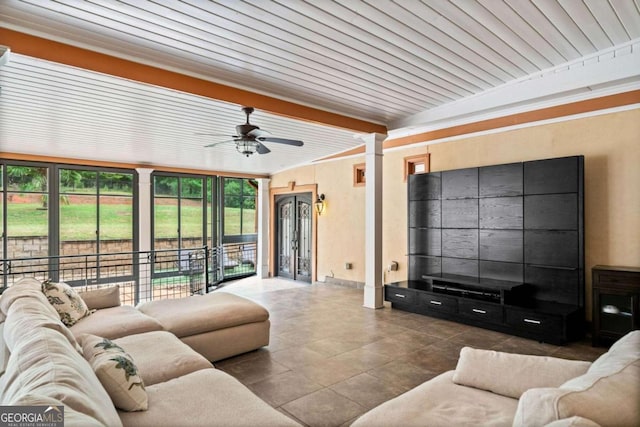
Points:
[117,373]
[66,301]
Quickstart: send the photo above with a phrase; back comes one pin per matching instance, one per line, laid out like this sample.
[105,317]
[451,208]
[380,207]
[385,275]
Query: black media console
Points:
[500,247]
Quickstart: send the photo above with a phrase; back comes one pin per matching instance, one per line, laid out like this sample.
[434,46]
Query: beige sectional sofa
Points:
[217,325]
[492,388]
[42,363]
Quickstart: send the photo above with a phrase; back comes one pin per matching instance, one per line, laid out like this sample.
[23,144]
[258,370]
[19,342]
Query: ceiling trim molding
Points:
[54,51]
[559,111]
[603,73]
[107,164]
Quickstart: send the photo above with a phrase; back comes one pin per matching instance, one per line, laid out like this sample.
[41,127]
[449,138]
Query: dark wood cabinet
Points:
[508,241]
[616,309]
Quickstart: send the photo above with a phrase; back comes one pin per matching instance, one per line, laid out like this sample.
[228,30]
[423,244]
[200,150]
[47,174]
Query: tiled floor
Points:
[330,359]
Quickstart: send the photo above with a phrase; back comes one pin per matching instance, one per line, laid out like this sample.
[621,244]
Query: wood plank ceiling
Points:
[393,62]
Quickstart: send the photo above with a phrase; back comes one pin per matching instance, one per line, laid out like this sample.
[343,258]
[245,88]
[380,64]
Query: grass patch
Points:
[78,221]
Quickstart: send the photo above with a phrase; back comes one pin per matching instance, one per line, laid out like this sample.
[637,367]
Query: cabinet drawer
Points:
[480,311]
[531,321]
[618,279]
[437,302]
[403,296]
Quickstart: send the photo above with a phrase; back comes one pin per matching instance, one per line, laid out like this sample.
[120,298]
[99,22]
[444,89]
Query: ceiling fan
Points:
[250,138]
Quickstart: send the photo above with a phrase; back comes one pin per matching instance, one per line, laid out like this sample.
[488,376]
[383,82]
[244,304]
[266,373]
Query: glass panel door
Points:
[27,228]
[294,238]
[78,212]
[303,246]
[285,218]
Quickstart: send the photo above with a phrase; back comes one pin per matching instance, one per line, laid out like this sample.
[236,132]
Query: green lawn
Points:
[78,221]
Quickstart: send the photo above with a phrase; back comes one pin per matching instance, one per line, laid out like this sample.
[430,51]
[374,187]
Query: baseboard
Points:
[343,282]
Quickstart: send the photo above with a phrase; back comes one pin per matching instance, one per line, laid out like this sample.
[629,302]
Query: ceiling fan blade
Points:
[218,143]
[262,149]
[216,134]
[257,133]
[294,142]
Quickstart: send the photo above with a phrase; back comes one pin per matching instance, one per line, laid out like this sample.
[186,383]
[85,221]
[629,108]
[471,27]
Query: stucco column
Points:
[144,233]
[262,267]
[373,297]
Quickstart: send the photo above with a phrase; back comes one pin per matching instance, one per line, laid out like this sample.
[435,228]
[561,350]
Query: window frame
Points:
[179,197]
[410,163]
[242,237]
[359,175]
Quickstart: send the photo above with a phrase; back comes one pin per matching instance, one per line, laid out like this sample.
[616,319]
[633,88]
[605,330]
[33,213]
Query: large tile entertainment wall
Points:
[609,142]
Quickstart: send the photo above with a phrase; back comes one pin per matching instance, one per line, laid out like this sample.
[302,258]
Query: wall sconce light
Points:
[319,204]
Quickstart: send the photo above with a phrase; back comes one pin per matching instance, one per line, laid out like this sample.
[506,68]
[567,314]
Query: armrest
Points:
[512,374]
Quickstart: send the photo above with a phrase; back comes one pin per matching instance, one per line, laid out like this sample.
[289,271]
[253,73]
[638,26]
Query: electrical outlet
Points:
[348,266]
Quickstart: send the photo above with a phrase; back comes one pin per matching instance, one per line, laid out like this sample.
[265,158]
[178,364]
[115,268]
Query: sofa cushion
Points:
[206,397]
[117,372]
[204,313]
[485,369]
[607,394]
[44,364]
[102,297]
[170,358]
[66,301]
[223,343]
[441,402]
[116,322]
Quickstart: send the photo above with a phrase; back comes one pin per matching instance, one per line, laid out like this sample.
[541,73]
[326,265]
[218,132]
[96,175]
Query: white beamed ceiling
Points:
[408,64]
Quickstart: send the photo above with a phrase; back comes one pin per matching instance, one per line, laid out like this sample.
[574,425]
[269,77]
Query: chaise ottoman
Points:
[217,325]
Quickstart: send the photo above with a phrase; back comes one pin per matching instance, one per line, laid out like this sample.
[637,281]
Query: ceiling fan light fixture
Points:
[246,147]
[250,138]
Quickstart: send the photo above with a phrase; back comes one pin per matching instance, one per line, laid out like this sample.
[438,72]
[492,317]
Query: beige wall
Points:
[609,142]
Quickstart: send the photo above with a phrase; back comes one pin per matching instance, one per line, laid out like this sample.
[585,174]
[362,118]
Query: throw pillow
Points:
[117,372]
[101,298]
[607,394]
[512,374]
[66,301]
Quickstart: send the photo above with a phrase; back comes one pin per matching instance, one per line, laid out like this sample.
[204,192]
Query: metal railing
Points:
[141,275]
[238,259]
